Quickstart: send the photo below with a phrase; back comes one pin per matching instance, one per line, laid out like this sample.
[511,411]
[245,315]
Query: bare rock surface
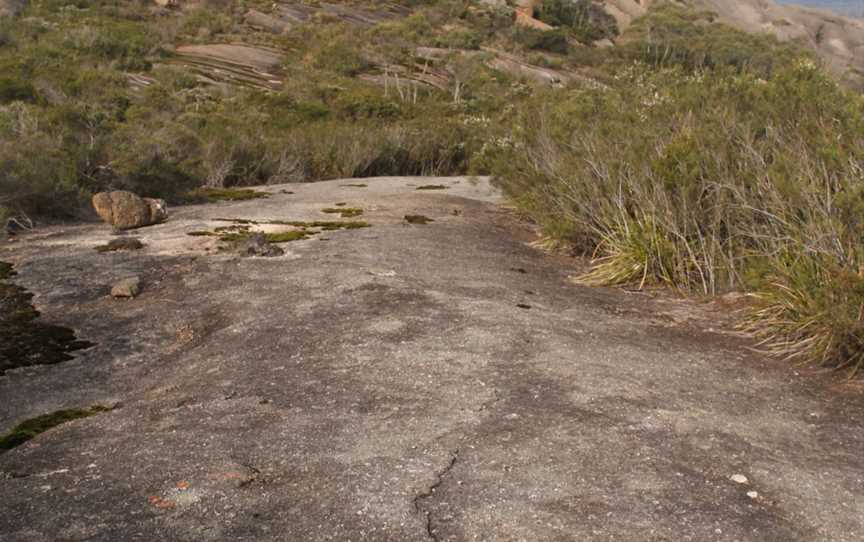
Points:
[387,383]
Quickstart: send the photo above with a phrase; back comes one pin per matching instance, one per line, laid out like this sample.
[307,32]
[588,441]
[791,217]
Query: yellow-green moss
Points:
[122,243]
[344,212]
[213,195]
[287,236]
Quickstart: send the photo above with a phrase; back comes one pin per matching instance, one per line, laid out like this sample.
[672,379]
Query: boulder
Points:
[158,210]
[125,210]
[12,8]
[128,287]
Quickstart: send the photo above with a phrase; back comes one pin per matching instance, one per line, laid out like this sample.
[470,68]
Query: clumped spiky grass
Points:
[711,179]
[812,312]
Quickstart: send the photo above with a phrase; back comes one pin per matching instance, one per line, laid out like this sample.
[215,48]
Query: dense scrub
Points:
[76,118]
[726,162]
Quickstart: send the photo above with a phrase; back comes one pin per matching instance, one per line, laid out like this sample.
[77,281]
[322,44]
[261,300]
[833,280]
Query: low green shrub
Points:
[587,21]
[553,41]
[712,180]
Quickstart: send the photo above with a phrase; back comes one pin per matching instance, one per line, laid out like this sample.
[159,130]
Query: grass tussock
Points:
[725,163]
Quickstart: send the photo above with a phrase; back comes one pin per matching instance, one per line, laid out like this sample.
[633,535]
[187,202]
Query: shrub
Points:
[16,90]
[554,41]
[709,182]
[587,21]
[674,36]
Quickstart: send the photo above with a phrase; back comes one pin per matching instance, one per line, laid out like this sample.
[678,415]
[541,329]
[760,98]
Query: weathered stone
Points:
[158,210]
[126,210]
[739,479]
[128,287]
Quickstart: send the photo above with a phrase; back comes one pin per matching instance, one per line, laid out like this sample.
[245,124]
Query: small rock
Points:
[739,479]
[753,495]
[418,219]
[128,287]
[258,245]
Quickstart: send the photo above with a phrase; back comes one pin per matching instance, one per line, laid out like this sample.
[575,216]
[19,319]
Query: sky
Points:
[846,7]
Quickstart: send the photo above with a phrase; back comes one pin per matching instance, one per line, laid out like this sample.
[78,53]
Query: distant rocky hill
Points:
[838,40]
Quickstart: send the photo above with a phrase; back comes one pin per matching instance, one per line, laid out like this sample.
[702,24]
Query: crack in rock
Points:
[430,491]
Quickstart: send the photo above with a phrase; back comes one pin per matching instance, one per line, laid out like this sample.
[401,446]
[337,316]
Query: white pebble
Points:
[739,479]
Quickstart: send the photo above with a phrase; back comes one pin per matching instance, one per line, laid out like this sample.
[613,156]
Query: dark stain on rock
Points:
[29,429]
[6,271]
[418,219]
[24,340]
[432,187]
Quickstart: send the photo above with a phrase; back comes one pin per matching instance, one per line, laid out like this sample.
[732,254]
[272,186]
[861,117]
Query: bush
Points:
[587,21]
[16,90]
[674,36]
[553,41]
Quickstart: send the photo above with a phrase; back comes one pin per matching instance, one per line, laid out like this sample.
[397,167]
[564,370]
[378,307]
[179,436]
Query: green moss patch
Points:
[287,236]
[344,212]
[240,229]
[212,195]
[418,219]
[272,237]
[355,185]
[432,187]
[124,243]
[327,225]
[33,427]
